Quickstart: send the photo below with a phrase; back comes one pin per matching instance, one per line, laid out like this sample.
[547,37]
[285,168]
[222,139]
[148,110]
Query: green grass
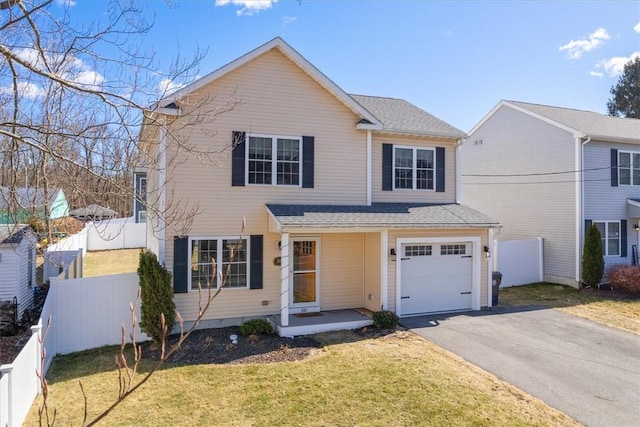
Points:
[601,306]
[102,263]
[396,380]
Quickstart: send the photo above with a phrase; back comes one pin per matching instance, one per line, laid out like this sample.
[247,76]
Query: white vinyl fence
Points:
[85,313]
[119,233]
[519,261]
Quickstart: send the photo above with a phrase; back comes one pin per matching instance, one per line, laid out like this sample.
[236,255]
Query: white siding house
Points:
[548,172]
[17,265]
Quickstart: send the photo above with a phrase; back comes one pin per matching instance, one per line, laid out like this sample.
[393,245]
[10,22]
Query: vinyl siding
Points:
[604,202]
[397,234]
[372,271]
[421,196]
[511,142]
[14,275]
[342,271]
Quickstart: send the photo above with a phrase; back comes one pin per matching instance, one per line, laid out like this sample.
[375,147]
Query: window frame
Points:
[414,168]
[631,168]
[605,246]
[274,159]
[219,260]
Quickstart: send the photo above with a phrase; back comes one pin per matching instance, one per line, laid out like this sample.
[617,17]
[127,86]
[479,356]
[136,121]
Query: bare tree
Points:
[73,100]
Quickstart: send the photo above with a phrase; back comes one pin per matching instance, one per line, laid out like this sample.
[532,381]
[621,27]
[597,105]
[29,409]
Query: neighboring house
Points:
[549,172]
[17,264]
[93,213]
[349,200]
[20,204]
[140,196]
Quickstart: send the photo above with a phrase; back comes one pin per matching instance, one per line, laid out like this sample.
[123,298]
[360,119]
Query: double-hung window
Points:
[274,160]
[414,168]
[629,168]
[216,258]
[610,235]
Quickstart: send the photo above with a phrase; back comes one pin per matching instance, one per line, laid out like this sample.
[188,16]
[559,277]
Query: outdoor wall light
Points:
[637,227]
[392,251]
[487,252]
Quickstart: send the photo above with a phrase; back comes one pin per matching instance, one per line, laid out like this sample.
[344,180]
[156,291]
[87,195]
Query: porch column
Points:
[284,279]
[384,266]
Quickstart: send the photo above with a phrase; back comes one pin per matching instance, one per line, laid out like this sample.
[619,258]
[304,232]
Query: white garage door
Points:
[435,277]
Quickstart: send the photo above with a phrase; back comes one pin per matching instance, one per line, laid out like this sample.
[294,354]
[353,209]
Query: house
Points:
[93,212]
[21,203]
[349,201]
[17,264]
[550,172]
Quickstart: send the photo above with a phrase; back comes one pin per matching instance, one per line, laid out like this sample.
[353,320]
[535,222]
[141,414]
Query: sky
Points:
[454,59]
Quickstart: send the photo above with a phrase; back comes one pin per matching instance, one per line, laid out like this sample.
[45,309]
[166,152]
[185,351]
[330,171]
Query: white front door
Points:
[436,277]
[304,283]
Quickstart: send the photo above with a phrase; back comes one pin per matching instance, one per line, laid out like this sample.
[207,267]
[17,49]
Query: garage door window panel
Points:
[418,250]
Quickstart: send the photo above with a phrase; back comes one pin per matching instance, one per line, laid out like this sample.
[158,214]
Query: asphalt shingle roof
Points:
[400,116]
[587,122]
[12,233]
[391,215]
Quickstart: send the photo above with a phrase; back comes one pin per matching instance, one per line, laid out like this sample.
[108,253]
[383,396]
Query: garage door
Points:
[435,277]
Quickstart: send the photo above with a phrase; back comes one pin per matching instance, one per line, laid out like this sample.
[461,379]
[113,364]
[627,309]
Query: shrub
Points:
[592,257]
[156,294]
[256,327]
[625,279]
[385,319]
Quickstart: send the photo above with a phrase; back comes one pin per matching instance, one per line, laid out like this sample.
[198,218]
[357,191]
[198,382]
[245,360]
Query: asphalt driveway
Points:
[589,371]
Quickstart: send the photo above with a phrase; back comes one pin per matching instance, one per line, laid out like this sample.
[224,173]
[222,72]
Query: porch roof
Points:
[633,208]
[378,215]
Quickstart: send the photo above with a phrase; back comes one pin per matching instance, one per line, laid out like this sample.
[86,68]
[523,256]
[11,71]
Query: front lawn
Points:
[601,306]
[399,379]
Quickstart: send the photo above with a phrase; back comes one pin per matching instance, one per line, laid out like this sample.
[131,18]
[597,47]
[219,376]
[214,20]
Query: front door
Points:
[304,283]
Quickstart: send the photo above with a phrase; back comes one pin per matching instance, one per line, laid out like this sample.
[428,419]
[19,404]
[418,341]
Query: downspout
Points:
[580,206]
[459,171]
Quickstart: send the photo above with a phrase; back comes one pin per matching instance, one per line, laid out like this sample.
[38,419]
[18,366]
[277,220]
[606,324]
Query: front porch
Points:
[322,321]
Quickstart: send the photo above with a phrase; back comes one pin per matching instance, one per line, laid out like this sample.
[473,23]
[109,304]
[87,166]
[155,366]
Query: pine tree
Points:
[156,294]
[592,257]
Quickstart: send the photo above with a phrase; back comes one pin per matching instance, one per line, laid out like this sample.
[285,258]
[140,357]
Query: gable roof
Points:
[400,116]
[94,210]
[369,120]
[13,233]
[582,123]
[27,197]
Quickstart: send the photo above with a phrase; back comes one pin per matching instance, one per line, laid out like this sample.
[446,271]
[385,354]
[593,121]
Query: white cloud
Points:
[167,86]
[249,7]
[637,28]
[596,74]
[575,48]
[614,66]
[26,89]
[66,3]
[286,20]
[89,78]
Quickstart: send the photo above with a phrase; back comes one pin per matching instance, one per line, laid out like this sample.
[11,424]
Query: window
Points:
[610,235]
[453,249]
[30,267]
[229,257]
[273,160]
[414,168]
[628,168]
[417,250]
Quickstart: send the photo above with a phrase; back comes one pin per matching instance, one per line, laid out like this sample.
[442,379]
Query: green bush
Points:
[156,294]
[592,257]
[256,327]
[385,319]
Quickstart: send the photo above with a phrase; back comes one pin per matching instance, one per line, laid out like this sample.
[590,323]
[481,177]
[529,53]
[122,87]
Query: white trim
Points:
[296,58]
[605,247]
[162,197]
[384,269]
[312,306]
[284,279]
[490,269]
[219,265]
[631,167]
[414,167]
[579,207]
[274,159]
[458,153]
[369,168]
[476,269]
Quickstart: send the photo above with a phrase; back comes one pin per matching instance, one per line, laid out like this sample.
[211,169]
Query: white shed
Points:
[17,264]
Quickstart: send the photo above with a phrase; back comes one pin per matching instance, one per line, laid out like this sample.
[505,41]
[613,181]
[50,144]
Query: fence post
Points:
[7,370]
[37,330]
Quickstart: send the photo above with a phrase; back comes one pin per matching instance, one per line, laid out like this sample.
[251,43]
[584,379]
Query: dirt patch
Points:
[214,346]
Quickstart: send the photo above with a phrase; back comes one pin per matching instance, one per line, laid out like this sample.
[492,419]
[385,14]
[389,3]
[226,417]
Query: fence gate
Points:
[519,261]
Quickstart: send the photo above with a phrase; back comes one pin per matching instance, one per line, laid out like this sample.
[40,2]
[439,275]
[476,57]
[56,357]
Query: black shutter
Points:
[623,238]
[256,262]
[180,260]
[587,224]
[307,161]
[614,167]
[387,167]
[237,159]
[440,169]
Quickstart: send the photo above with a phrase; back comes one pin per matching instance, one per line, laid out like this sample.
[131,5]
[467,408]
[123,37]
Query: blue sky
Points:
[456,60]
